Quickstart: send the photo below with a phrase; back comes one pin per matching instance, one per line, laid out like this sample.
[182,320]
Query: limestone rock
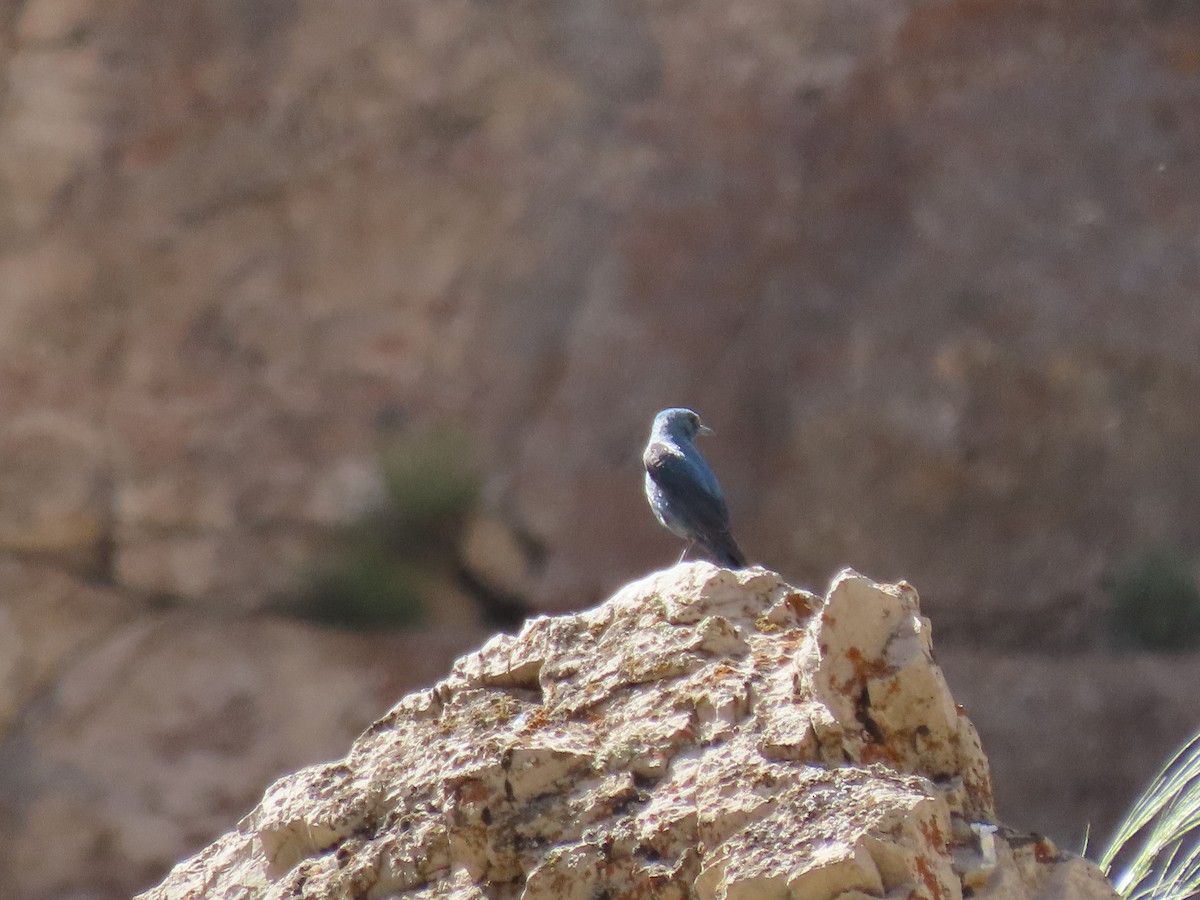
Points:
[157,736]
[703,734]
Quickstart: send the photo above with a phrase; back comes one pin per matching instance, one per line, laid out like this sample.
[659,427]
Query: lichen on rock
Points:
[703,734]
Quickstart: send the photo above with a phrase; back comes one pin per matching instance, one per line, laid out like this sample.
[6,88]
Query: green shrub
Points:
[362,594]
[1155,603]
[429,492]
[383,564]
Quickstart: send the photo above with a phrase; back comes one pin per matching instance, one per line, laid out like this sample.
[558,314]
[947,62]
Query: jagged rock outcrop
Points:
[704,733]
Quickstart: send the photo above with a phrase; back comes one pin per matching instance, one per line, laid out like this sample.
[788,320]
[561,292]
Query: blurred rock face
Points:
[929,268]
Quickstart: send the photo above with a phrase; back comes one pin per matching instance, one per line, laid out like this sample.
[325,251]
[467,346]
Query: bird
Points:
[683,491]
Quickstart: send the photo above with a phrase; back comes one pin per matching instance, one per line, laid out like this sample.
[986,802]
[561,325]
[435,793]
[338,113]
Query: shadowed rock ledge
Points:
[704,733]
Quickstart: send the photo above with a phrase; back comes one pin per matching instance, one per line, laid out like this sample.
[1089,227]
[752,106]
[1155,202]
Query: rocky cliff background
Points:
[930,268]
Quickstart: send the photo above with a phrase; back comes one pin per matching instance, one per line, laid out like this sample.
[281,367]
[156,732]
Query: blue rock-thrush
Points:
[682,490]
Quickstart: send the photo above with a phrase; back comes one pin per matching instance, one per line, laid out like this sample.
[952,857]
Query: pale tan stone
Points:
[52,128]
[55,20]
[621,751]
[870,662]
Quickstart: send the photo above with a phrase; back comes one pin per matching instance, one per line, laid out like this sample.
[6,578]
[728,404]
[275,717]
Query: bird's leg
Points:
[685,552]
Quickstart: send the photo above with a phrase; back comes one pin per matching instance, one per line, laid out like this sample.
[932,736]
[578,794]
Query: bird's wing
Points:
[693,503]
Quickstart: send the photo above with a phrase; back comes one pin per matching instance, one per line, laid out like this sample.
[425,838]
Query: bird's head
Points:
[680,422]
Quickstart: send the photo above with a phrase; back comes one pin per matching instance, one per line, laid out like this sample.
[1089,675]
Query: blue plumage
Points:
[682,490]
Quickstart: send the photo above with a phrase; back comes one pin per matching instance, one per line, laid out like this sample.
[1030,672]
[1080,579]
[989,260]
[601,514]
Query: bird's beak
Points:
[704,429]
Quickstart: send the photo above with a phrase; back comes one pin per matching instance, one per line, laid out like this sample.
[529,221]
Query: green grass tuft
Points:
[1154,853]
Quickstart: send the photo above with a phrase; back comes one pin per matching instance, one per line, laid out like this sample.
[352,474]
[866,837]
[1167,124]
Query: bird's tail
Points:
[726,551]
